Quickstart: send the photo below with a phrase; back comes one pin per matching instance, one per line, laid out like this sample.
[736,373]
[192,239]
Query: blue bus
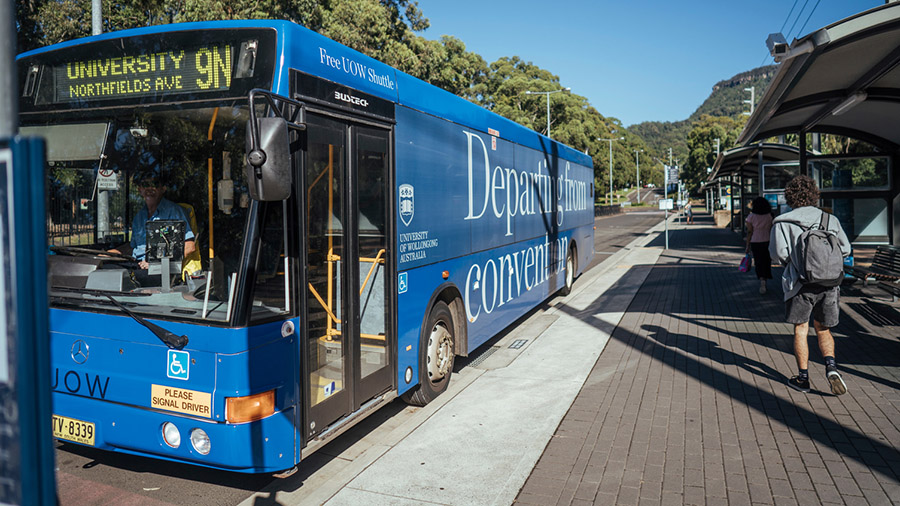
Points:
[258,236]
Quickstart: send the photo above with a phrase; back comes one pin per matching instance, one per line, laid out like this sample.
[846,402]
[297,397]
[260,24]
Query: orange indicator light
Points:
[249,408]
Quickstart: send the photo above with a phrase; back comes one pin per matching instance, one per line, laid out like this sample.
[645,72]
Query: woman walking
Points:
[759,225]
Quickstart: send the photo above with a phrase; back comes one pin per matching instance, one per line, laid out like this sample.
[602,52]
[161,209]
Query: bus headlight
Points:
[171,435]
[200,441]
[249,408]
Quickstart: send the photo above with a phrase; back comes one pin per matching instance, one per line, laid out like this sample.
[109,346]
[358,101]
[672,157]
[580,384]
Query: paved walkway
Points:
[687,404]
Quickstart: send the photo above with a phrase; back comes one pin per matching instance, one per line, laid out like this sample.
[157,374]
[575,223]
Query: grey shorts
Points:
[822,304]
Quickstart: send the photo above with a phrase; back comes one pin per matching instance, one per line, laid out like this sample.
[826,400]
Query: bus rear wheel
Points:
[571,265]
[435,356]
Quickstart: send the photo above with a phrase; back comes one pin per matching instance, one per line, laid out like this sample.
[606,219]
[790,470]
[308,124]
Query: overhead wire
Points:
[788,16]
[807,17]
[800,13]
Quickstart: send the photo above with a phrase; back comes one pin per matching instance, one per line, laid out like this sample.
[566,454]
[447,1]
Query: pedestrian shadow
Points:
[705,348]
[861,354]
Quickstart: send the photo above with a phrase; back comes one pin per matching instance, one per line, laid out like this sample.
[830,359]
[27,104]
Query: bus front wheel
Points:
[435,356]
[570,272]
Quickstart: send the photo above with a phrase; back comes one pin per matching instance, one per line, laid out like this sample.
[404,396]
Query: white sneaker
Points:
[762,286]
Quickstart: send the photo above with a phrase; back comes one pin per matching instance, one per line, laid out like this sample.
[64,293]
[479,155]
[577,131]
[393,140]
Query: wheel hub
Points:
[440,352]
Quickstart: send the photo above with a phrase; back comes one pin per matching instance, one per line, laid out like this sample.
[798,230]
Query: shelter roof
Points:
[745,159]
[842,79]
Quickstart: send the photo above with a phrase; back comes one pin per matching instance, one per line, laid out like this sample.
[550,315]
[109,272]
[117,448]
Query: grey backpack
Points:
[817,256]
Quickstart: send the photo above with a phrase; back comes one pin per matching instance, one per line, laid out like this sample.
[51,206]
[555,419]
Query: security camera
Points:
[778,46]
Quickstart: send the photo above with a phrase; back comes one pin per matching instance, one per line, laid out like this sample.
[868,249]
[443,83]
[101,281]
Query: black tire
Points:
[435,356]
[571,269]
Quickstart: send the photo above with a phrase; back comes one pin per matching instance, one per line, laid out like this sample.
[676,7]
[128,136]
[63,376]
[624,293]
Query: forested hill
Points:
[727,99]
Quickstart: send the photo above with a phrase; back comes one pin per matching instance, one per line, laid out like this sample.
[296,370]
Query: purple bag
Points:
[746,263]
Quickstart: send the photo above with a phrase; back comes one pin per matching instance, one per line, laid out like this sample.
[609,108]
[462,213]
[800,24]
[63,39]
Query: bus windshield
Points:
[148,207]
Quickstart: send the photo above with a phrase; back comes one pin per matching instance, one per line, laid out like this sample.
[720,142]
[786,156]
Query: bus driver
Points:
[156,207]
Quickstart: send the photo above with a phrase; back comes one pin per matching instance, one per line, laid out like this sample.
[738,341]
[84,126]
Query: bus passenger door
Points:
[347,341]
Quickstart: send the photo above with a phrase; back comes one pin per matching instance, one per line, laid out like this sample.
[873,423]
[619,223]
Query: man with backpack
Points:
[811,245]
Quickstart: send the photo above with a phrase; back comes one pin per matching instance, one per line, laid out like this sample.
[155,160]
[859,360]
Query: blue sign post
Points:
[26,448]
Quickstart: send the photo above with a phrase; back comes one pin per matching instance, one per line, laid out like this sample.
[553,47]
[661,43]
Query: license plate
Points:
[74,430]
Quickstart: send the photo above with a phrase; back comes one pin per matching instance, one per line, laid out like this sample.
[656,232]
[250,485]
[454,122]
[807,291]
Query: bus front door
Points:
[347,304]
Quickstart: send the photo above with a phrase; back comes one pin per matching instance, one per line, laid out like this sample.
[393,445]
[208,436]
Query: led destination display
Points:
[188,70]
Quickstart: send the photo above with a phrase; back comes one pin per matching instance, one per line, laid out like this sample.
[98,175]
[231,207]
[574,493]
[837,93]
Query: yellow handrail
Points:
[209,184]
[330,232]
[377,260]
[322,302]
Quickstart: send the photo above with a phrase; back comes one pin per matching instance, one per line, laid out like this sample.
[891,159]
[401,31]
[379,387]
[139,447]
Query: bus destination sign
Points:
[194,70]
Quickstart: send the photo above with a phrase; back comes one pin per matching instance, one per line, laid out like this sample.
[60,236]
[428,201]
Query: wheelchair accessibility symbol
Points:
[179,363]
[402,283]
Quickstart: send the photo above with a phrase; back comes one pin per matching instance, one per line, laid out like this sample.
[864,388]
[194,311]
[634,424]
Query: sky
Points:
[635,60]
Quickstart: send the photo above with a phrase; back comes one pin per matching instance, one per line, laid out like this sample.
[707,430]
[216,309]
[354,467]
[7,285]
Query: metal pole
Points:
[102,195]
[548,115]
[804,165]
[9,105]
[25,404]
[637,156]
[678,198]
[666,198]
[731,206]
[96,17]
[610,172]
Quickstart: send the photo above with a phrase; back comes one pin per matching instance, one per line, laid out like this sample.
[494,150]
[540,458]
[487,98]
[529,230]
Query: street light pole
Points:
[547,93]
[610,141]
[637,163]
[548,115]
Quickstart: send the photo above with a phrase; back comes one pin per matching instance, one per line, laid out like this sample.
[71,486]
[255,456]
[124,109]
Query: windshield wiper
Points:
[168,338]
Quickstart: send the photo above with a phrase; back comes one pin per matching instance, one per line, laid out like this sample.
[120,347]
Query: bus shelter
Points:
[737,173]
[843,83]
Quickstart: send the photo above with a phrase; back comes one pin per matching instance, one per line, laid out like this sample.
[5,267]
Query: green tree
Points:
[701,142]
[28,29]
[509,79]
[61,20]
[448,65]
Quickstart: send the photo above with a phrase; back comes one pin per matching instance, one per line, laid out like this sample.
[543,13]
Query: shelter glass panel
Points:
[863,220]
[851,173]
[777,175]
[751,186]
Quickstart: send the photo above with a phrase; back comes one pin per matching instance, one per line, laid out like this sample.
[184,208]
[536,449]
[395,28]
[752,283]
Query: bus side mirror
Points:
[268,167]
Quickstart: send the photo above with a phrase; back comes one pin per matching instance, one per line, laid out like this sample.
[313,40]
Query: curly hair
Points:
[801,192]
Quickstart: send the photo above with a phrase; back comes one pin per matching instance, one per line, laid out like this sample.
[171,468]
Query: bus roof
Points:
[315,54]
